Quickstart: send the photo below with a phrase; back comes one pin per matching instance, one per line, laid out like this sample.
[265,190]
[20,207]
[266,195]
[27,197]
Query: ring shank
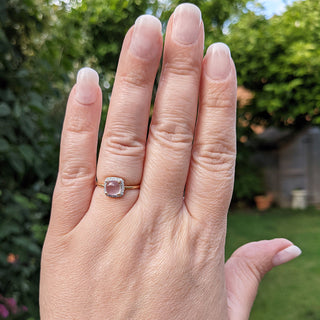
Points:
[98,184]
[132,187]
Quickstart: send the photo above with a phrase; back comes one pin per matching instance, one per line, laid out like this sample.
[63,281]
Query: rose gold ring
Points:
[114,187]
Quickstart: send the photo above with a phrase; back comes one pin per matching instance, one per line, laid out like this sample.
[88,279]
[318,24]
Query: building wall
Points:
[294,165]
[269,161]
[314,166]
[292,170]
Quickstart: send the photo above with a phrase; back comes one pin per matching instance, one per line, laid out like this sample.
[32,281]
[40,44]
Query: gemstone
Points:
[114,187]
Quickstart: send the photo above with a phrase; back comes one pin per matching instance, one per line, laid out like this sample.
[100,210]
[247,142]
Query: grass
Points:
[290,291]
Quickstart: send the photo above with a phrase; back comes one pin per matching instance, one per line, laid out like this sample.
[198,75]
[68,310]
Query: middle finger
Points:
[171,131]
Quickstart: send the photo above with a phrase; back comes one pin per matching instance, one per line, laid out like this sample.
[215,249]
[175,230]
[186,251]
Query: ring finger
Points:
[123,145]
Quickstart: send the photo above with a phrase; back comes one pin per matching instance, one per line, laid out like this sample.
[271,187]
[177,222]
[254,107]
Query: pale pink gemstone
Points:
[113,188]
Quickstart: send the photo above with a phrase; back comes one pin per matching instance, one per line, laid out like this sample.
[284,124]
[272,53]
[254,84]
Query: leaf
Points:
[16,162]
[43,197]
[27,153]
[4,109]
[7,229]
[39,232]
[36,102]
[15,212]
[317,120]
[4,145]
[24,201]
[28,244]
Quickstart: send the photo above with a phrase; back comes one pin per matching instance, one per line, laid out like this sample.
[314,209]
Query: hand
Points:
[158,251]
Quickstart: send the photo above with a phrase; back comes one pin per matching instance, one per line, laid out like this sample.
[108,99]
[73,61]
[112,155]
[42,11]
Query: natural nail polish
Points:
[145,39]
[286,255]
[186,23]
[87,84]
[218,61]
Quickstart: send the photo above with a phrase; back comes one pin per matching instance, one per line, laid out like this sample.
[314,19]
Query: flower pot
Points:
[263,202]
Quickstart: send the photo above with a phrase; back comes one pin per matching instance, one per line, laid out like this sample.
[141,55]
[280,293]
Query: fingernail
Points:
[186,23]
[145,38]
[219,61]
[286,255]
[87,84]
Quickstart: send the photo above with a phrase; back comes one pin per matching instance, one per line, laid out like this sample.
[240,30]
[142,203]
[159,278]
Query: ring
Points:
[114,187]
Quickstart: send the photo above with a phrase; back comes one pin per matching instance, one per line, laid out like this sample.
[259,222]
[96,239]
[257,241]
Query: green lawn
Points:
[290,291]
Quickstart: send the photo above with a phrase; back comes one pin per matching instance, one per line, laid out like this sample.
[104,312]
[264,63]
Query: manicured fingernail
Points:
[145,39]
[186,23]
[87,84]
[286,255]
[219,61]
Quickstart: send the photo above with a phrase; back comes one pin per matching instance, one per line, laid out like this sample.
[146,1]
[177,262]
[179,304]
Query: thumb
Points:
[247,266]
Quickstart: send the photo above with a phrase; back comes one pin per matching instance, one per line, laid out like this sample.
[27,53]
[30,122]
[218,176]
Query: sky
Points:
[273,7]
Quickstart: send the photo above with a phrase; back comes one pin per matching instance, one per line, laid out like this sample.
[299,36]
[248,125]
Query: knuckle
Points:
[250,263]
[183,66]
[78,124]
[123,143]
[171,134]
[135,79]
[219,95]
[218,156]
[216,162]
[72,173]
[250,267]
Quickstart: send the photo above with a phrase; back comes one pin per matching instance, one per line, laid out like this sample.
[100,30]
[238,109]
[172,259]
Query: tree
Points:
[27,143]
[279,61]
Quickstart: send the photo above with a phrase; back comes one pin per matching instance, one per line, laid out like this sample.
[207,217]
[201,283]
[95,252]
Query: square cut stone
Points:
[114,187]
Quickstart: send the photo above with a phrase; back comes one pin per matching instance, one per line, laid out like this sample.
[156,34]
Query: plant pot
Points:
[263,202]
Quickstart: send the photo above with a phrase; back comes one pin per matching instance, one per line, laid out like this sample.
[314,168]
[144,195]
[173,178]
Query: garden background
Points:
[42,45]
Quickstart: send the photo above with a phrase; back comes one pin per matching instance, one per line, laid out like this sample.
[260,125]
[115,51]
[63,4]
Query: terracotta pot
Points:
[263,202]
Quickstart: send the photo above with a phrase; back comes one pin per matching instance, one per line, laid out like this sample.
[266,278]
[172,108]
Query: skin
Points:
[157,252]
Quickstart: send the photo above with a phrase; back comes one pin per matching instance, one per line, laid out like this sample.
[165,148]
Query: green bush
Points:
[28,155]
[248,177]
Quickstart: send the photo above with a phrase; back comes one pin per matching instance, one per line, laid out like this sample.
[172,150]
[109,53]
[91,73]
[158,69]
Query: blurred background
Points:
[276,48]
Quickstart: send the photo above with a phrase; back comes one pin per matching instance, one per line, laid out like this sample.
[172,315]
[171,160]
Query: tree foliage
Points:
[28,149]
[278,59]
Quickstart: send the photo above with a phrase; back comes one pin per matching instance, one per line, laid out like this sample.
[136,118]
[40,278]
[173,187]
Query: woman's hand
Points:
[158,251]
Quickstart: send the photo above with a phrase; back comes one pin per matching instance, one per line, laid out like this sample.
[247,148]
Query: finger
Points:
[77,166]
[122,149]
[246,268]
[210,180]
[171,131]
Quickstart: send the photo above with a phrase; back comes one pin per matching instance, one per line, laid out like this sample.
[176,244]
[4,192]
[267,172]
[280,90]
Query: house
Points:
[290,161]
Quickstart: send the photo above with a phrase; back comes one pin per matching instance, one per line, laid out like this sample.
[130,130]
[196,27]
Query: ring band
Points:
[114,187]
